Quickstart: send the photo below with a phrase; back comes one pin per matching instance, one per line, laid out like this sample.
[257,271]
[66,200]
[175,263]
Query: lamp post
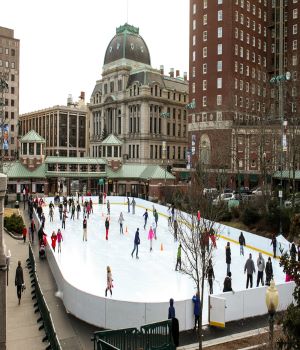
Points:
[272,304]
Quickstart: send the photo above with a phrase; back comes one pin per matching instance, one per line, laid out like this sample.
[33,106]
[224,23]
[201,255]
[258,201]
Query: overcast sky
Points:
[63,42]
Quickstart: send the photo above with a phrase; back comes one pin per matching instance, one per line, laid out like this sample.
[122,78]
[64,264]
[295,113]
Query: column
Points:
[3,267]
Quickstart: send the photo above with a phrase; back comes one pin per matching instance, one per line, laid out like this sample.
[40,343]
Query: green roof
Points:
[17,170]
[76,174]
[141,171]
[112,140]
[32,136]
[286,174]
[74,160]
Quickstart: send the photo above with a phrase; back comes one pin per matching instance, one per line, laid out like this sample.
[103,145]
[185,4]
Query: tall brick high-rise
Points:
[236,128]
[9,71]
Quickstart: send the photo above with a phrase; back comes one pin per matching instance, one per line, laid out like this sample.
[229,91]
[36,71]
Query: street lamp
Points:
[272,304]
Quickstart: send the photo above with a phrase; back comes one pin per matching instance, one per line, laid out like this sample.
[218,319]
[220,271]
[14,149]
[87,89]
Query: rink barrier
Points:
[101,311]
[42,307]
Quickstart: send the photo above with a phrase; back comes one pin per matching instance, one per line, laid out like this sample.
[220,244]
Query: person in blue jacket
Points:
[145,215]
[196,301]
[171,313]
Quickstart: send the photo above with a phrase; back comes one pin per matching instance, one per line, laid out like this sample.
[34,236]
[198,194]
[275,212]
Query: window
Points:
[219,100]
[204,68]
[205,20]
[194,9]
[205,35]
[219,83]
[220,49]
[193,88]
[204,51]
[194,40]
[204,101]
[220,15]
[294,60]
[294,44]
[220,32]
[295,29]
[219,66]
[295,13]
[194,24]
[193,72]
[204,4]
[204,85]
[194,56]
[220,2]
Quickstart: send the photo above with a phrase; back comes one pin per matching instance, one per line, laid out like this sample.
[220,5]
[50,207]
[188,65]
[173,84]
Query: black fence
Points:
[41,306]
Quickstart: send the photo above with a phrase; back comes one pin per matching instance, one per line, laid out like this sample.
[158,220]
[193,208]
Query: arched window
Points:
[204,149]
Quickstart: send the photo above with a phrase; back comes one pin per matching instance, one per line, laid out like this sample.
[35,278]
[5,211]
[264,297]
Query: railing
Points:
[41,306]
[154,336]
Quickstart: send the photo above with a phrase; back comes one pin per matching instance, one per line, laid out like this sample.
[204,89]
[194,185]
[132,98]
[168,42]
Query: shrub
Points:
[250,216]
[14,223]
[225,216]
[235,212]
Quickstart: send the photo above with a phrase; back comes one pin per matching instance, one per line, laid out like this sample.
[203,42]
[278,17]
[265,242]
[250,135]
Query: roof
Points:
[141,171]
[287,174]
[112,140]
[75,174]
[16,170]
[74,160]
[32,136]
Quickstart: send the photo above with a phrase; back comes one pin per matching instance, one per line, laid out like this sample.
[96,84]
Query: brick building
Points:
[240,117]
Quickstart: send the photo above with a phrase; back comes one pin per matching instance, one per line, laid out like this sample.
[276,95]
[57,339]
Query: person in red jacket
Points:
[24,233]
[53,240]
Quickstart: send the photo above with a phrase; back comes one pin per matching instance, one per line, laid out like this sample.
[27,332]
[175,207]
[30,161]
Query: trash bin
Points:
[18,197]
[17,204]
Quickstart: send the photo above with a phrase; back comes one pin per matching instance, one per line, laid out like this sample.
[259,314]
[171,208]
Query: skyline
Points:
[67,58]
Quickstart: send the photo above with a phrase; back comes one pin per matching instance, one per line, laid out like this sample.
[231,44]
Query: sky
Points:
[63,43]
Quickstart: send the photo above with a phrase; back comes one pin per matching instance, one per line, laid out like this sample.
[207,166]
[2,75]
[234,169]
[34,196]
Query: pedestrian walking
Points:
[32,230]
[260,269]
[84,237]
[178,262]
[106,223]
[59,240]
[136,243]
[250,268]
[293,251]
[210,276]
[53,240]
[133,203]
[171,311]
[128,204]
[175,228]
[19,281]
[274,243]
[121,220]
[269,271]
[196,302]
[145,215]
[227,285]
[242,243]
[109,281]
[150,237]
[24,233]
[228,256]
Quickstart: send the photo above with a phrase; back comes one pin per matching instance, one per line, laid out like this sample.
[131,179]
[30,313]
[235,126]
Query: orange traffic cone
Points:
[161,247]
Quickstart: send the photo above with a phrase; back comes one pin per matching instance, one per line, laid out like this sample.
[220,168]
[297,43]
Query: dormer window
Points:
[31,149]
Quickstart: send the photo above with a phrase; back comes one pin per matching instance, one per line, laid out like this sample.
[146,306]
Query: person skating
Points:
[227,285]
[51,213]
[250,268]
[228,256]
[128,204]
[73,209]
[155,214]
[121,220]
[196,302]
[293,251]
[64,218]
[109,281]
[269,271]
[178,262]
[108,207]
[150,237]
[53,240]
[136,243]
[84,237]
[210,276]
[145,215]
[274,243]
[59,240]
[171,311]
[175,228]
[260,269]
[78,209]
[60,210]
[133,203]
[242,243]
[106,227]
[19,280]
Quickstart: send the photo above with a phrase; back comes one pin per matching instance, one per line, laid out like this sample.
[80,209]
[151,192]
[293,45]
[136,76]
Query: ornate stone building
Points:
[142,107]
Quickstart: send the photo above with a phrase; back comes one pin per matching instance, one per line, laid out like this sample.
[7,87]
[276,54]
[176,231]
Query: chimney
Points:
[161,69]
[82,95]
[172,72]
[185,76]
[177,73]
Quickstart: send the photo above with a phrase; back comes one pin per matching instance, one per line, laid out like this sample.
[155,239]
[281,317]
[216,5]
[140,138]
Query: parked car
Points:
[257,191]
[210,192]
[223,197]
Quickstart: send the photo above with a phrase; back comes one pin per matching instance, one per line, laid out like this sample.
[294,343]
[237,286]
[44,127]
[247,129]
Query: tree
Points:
[104,133]
[194,234]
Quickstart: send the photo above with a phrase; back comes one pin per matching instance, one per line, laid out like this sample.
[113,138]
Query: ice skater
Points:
[227,283]
[73,211]
[145,215]
[274,243]
[155,214]
[154,227]
[106,227]
[178,262]
[121,220]
[84,237]
[136,243]
[64,217]
[269,271]
[150,237]
[128,204]
[51,213]
[133,206]
[59,240]
[53,240]
[175,228]
[228,256]
[260,270]
[250,268]
[210,276]
[78,209]
[108,207]
[109,281]
[242,242]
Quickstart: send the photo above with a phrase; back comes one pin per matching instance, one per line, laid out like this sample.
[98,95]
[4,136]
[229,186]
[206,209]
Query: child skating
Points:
[109,281]
[121,220]
[150,237]
[59,239]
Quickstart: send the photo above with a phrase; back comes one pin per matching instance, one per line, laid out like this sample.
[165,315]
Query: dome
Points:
[128,44]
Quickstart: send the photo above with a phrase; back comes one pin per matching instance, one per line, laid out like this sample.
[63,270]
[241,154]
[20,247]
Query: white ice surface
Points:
[152,277]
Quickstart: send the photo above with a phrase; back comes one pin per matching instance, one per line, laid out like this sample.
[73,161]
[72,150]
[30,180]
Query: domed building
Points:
[137,112]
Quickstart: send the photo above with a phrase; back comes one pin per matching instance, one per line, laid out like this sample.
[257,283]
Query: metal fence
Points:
[154,336]
[41,306]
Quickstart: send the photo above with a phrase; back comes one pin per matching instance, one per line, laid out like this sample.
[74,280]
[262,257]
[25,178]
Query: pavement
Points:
[22,326]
